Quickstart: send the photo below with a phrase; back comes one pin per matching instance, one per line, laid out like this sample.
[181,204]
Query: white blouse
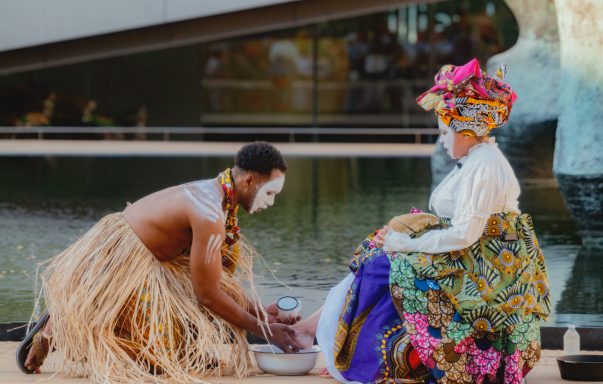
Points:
[484,184]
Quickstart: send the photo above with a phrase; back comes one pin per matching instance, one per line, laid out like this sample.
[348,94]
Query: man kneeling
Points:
[152,293]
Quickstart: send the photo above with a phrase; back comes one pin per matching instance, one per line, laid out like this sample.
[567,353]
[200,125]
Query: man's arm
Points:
[206,273]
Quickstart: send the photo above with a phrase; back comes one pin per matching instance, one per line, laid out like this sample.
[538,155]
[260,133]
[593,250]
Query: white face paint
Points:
[446,137]
[206,199]
[213,247]
[264,197]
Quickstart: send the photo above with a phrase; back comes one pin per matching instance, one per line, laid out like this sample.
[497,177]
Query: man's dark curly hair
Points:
[261,157]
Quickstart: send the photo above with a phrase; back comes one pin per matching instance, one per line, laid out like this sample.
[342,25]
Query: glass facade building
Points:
[364,71]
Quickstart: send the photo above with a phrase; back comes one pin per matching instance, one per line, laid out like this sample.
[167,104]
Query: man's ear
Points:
[249,178]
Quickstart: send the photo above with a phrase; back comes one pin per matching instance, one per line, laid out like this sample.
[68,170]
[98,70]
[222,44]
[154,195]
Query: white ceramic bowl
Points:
[271,359]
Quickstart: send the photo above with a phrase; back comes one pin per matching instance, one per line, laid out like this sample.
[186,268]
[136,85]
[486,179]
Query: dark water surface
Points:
[306,239]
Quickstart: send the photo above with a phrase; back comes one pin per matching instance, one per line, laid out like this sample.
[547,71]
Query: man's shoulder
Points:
[204,202]
[202,184]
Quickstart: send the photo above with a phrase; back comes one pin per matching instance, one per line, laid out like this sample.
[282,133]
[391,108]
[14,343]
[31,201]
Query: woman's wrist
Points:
[396,242]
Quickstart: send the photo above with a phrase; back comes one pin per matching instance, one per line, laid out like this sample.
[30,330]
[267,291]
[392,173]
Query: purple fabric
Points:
[371,292]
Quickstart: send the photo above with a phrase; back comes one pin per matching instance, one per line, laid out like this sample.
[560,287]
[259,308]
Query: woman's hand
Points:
[392,241]
[380,236]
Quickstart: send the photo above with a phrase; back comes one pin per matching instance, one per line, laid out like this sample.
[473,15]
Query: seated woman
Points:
[460,298]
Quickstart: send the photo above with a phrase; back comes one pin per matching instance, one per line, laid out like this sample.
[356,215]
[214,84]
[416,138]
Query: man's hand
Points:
[273,316]
[379,239]
[283,337]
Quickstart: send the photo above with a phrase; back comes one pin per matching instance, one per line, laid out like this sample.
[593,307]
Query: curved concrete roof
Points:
[26,23]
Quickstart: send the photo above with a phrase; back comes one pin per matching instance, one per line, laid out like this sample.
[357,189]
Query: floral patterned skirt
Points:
[419,318]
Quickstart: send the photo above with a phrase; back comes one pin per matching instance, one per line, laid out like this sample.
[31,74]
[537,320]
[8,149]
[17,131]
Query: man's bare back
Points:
[163,220]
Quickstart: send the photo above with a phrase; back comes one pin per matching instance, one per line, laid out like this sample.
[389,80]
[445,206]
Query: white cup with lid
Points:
[287,306]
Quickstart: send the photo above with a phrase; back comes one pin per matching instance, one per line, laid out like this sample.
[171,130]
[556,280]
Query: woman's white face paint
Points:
[446,137]
[264,197]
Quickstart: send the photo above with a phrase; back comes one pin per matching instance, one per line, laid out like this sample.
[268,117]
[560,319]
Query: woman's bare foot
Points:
[305,330]
[303,335]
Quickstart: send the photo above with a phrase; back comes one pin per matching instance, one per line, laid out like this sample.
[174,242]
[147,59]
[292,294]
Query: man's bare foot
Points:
[37,352]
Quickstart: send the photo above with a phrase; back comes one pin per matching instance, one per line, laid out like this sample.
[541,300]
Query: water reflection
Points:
[582,299]
[326,208]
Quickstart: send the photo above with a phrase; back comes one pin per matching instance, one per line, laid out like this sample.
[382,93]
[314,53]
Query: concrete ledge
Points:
[203,149]
[591,339]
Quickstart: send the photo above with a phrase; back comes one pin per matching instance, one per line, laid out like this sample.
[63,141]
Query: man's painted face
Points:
[264,197]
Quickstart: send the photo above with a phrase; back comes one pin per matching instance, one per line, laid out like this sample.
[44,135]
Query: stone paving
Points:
[546,372]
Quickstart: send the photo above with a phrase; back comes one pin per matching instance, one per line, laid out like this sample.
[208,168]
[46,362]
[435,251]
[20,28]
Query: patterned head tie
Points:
[468,100]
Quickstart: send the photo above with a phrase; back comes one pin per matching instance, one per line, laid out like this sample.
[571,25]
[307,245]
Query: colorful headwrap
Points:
[466,98]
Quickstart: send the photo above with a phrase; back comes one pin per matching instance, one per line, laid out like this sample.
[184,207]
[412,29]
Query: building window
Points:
[364,71]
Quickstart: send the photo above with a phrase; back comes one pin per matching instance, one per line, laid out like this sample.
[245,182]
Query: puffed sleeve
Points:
[475,202]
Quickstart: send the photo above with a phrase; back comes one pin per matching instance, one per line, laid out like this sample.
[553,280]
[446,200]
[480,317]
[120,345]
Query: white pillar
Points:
[578,163]
[533,63]
[580,130]
[534,70]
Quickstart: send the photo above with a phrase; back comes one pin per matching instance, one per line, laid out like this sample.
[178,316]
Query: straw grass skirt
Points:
[120,315]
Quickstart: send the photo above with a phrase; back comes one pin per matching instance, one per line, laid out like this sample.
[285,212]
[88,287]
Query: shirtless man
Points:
[197,218]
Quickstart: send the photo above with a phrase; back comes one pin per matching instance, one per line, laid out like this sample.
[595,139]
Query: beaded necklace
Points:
[230,249]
